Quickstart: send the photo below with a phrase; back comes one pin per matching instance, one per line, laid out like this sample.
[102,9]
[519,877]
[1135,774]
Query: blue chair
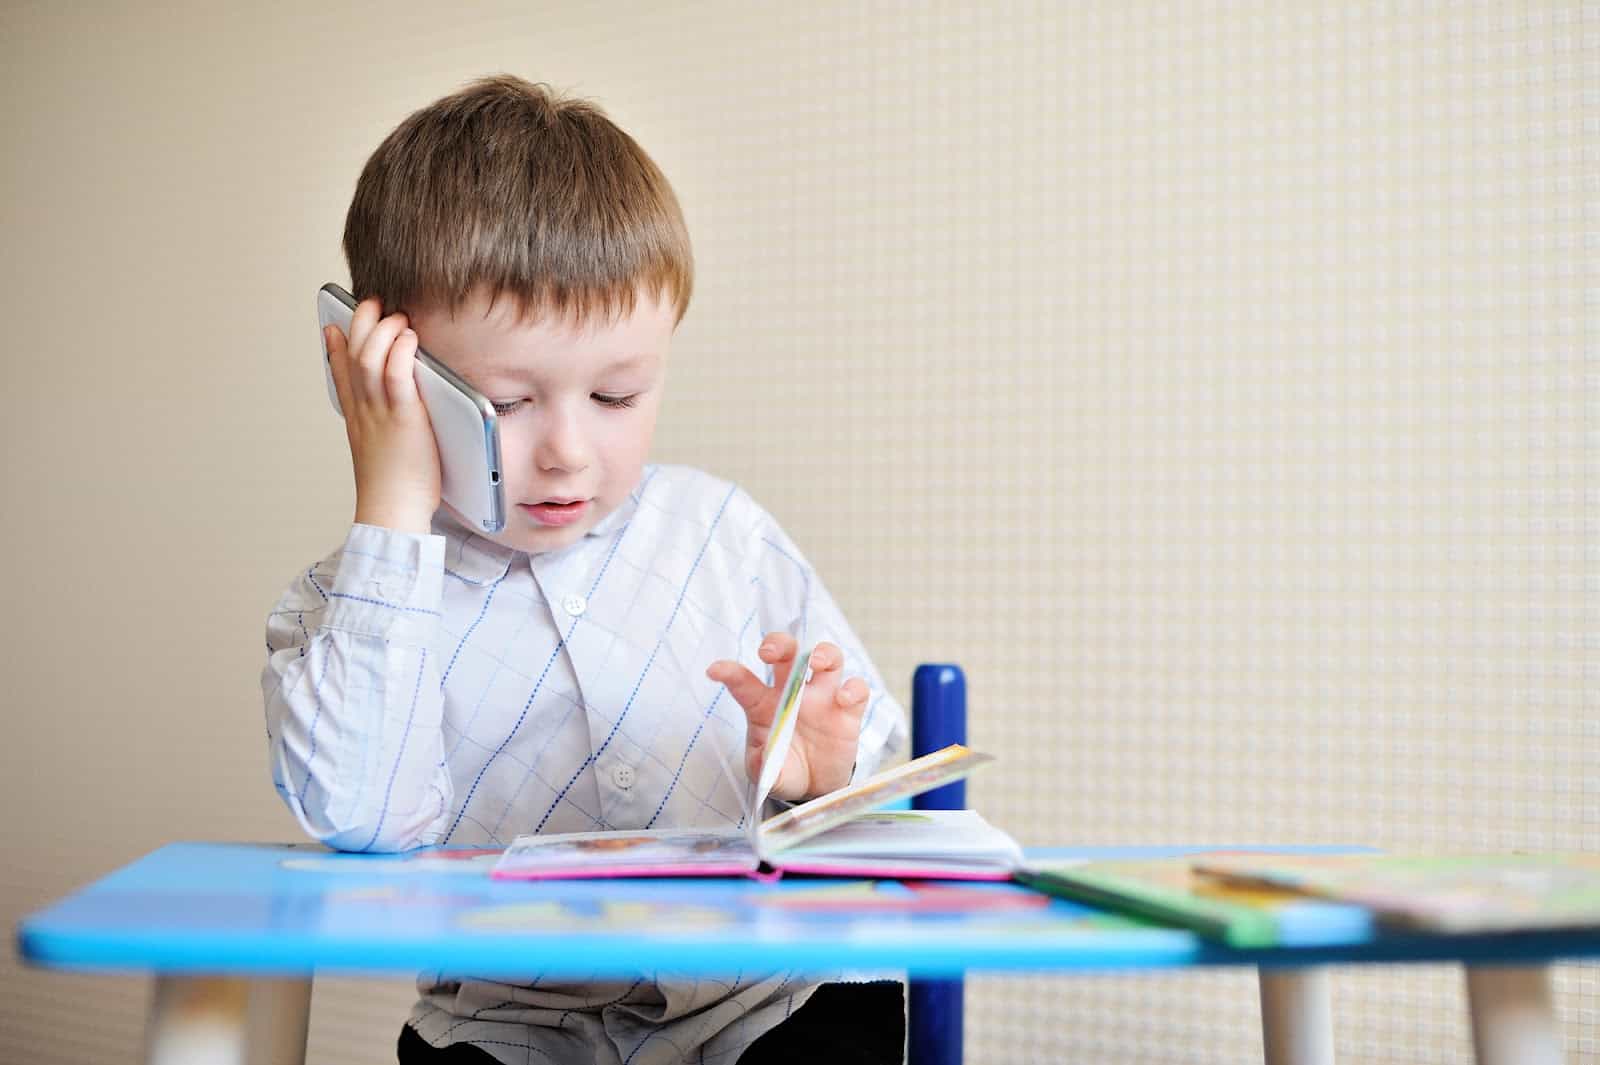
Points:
[938,718]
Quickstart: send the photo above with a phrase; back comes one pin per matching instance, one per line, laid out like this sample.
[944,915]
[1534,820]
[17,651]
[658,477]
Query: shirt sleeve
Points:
[352,694]
[794,599]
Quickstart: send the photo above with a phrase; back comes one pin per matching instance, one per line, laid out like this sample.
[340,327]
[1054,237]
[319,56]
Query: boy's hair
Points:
[510,185]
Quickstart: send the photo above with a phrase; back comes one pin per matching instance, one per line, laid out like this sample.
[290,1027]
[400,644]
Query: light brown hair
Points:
[510,185]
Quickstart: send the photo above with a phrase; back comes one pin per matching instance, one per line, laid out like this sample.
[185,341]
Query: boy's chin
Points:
[524,533]
[532,537]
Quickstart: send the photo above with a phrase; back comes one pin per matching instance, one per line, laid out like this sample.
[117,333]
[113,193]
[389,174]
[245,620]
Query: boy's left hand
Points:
[823,752]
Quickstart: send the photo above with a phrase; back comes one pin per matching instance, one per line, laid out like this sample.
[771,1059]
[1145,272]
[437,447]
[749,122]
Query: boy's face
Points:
[576,403]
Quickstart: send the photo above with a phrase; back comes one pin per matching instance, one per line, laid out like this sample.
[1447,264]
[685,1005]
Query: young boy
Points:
[589,666]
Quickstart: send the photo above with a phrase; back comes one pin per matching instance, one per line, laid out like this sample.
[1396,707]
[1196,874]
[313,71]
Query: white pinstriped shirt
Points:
[447,689]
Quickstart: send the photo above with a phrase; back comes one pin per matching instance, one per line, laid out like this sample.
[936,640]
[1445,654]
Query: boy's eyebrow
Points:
[625,362]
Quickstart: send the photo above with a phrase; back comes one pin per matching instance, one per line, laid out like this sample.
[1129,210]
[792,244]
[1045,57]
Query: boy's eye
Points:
[513,405]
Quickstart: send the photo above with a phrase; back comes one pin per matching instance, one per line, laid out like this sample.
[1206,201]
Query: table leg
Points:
[1513,1022]
[214,1020]
[197,1020]
[1296,1016]
[280,1012]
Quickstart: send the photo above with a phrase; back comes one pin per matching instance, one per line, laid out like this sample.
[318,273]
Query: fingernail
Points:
[768,647]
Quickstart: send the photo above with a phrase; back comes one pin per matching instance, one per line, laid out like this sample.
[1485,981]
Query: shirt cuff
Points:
[389,584]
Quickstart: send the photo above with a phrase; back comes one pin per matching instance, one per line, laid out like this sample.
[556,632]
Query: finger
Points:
[367,373]
[366,316]
[826,663]
[746,688]
[338,364]
[778,650]
[399,373]
[819,704]
[826,658]
[852,694]
[777,646]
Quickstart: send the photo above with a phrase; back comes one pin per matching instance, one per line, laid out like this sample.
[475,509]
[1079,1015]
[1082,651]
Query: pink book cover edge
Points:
[615,872]
[885,872]
[889,871]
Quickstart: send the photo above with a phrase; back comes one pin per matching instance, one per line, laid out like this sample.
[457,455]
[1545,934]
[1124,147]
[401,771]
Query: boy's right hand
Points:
[391,439]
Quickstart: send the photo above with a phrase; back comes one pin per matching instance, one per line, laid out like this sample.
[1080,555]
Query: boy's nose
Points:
[561,446]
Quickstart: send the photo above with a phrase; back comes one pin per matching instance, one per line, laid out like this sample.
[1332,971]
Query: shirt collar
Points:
[473,558]
[612,523]
[478,560]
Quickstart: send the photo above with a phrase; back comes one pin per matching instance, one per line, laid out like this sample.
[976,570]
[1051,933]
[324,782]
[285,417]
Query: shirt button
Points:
[622,776]
[574,604]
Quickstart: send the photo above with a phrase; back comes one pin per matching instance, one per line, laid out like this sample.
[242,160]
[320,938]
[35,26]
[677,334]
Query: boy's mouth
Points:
[555,512]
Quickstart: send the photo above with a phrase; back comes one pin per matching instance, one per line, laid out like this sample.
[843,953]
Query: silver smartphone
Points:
[464,422]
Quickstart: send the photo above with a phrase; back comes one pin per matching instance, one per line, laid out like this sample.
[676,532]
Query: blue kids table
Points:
[234,932]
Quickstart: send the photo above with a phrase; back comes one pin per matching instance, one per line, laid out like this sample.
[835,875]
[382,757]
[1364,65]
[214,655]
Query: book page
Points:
[780,735]
[650,852]
[822,813]
[932,837]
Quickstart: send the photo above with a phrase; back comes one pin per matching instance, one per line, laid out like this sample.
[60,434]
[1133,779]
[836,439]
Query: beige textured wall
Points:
[1217,382]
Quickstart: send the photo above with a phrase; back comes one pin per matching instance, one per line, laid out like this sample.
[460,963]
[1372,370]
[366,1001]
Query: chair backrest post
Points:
[938,719]
[934,1008]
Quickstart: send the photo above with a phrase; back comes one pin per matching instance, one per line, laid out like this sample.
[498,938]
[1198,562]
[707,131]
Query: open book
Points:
[841,833]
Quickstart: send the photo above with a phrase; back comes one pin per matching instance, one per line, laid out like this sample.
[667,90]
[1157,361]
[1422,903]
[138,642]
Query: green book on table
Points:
[1433,893]
[1167,891]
